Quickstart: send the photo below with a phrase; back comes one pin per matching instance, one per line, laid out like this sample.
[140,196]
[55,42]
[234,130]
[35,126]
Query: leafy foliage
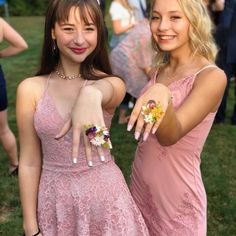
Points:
[25,7]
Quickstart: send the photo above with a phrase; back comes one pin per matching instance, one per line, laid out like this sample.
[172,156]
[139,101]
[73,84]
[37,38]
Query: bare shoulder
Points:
[214,77]
[210,86]
[32,86]
[32,82]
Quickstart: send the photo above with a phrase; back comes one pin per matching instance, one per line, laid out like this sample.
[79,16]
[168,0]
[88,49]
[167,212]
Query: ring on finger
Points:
[152,112]
[98,136]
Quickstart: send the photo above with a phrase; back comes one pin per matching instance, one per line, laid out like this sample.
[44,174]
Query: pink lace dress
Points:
[74,199]
[166,181]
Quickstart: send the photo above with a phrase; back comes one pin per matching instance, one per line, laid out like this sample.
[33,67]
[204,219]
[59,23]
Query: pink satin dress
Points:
[166,181]
[74,199]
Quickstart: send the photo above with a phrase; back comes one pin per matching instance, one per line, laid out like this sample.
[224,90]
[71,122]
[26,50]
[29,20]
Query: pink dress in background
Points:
[74,199]
[130,57]
[166,181]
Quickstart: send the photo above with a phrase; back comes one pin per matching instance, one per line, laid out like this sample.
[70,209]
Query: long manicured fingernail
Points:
[102,158]
[154,130]
[74,160]
[145,136]
[136,135]
[90,163]
[129,127]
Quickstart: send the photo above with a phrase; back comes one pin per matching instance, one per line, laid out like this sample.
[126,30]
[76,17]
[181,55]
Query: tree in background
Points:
[26,7]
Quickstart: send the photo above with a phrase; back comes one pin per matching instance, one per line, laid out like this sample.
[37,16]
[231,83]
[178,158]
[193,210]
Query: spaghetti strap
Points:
[153,75]
[84,83]
[205,67]
[47,83]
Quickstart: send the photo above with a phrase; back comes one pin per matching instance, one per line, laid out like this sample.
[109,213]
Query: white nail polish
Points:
[74,160]
[129,127]
[145,136]
[136,135]
[90,163]
[154,130]
[102,158]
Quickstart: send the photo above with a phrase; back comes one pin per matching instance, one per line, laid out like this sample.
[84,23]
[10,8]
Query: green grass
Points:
[218,157]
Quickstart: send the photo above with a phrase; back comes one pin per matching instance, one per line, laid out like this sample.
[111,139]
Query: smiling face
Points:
[75,37]
[169,26]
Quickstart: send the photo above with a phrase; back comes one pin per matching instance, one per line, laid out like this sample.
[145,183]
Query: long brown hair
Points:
[57,11]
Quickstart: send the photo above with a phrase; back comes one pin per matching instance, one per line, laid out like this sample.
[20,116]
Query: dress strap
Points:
[153,75]
[46,85]
[47,82]
[84,83]
[205,67]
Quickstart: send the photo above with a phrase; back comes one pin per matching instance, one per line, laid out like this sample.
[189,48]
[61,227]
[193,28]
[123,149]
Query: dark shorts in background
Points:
[3,91]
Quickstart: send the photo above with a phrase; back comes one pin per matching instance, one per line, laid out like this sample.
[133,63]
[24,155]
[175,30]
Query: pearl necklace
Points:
[62,76]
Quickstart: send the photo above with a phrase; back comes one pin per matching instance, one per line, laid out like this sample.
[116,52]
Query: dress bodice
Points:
[57,154]
[180,90]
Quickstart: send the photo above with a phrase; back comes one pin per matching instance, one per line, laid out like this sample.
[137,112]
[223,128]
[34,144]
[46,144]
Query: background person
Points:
[16,44]
[123,20]
[131,55]
[226,58]
[140,8]
[133,58]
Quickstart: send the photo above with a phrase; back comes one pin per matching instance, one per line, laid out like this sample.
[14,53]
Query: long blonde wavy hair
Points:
[200,31]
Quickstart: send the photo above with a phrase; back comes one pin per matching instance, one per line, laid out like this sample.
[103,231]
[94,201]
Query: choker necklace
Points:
[62,76]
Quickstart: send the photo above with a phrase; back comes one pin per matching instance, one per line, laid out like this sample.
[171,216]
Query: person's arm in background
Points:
[119,29]
[218,5]
[116,12]
[15,40]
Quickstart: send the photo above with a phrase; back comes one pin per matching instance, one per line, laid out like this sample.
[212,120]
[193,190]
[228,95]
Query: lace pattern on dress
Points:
[96,203]
[185,221]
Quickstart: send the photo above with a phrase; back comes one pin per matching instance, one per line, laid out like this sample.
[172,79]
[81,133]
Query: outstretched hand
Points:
[158,93]
[87,111]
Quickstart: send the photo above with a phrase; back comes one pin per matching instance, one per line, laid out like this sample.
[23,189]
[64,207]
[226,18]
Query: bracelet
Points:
[37,233]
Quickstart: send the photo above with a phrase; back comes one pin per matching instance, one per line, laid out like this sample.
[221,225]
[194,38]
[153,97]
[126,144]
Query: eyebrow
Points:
[90,23]
[168,12]
[65,23]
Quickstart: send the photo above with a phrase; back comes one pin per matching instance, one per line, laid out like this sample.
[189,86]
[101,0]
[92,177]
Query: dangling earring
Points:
[54,47]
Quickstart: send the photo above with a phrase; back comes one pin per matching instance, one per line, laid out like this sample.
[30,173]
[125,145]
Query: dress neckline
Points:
[191,76]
